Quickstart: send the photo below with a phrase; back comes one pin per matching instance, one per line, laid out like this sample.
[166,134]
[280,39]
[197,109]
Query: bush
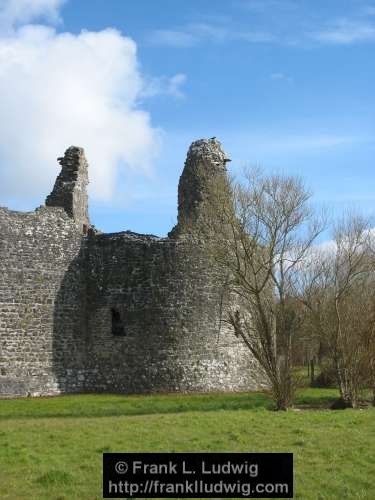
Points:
[326,378]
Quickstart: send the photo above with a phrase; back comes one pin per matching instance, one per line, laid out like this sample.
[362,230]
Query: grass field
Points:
[51,448]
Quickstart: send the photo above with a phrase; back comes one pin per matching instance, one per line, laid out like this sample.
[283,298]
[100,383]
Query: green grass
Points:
[51,448]
[111,405]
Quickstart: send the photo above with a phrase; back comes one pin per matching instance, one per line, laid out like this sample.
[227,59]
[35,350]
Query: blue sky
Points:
[288,85]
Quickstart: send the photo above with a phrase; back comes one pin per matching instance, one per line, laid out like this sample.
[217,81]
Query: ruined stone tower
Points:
[70,190]
[121,312]
[205,161]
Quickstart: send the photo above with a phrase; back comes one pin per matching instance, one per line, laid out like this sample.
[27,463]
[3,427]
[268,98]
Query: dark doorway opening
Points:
[117,325]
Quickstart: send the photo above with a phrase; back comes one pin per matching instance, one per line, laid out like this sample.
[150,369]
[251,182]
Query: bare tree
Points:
[368,361]
[260,239]
[339,291]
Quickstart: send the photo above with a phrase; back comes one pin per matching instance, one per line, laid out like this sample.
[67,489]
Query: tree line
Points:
[289,293]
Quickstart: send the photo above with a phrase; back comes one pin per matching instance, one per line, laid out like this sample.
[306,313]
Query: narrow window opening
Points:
[117,325]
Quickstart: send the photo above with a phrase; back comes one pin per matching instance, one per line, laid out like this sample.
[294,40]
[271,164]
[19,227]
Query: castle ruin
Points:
[82,311]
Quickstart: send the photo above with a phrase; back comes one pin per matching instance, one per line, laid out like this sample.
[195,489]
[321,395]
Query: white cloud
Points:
[276,150]
[13,12]
[277,76]
[174,85]
[255,37]
[193,34]
[262,6]
[303,143]
[173,38]
[345,32]
[62,89]
[328,248]
[165,85]
[369,10]
[263,145]
[281,77]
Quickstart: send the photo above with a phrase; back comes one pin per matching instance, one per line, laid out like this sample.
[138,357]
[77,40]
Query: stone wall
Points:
[70,189]
[171,306]
[205,163]
[83,311]
[42,330]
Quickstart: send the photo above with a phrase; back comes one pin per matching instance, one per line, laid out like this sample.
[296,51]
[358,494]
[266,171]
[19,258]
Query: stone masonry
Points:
[82,311]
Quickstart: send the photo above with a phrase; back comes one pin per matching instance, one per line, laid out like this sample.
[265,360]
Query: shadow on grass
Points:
[316,398]
[108,405]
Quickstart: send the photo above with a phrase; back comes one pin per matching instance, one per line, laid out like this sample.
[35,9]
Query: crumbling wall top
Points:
[70,189]
[208,150]
[205,162]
